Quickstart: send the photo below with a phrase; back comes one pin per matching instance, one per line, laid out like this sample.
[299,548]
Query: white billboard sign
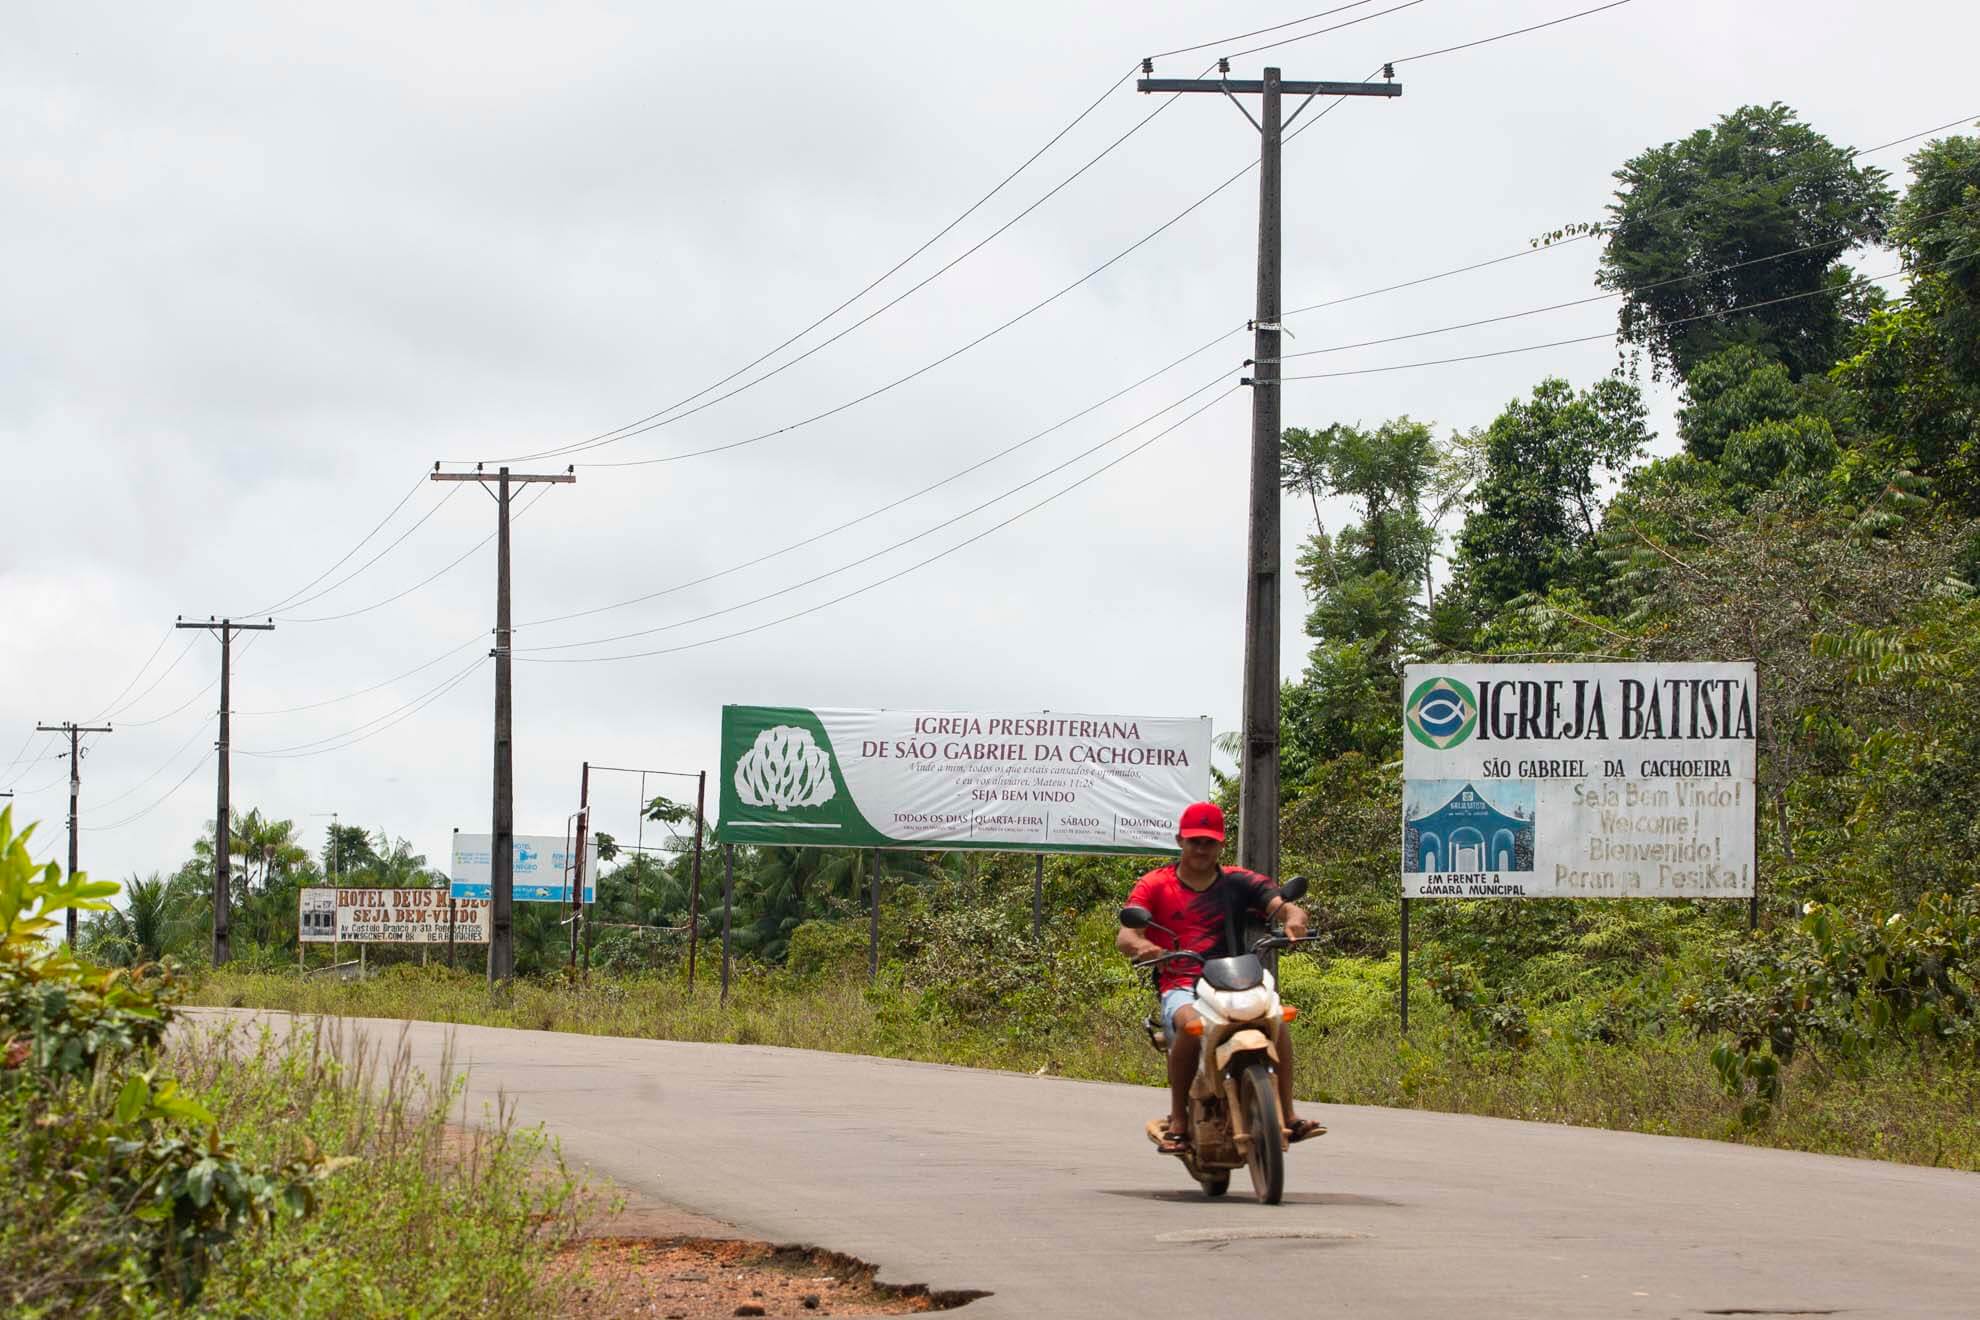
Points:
[391,916]
[1578,780]
[1037,782]
[541,868]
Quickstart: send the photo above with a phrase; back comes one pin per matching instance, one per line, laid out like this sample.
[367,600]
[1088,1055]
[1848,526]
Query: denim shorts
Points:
[1171,1001]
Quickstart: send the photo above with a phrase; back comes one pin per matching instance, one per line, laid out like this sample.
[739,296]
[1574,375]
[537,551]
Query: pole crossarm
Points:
[515,478]
[1256,86]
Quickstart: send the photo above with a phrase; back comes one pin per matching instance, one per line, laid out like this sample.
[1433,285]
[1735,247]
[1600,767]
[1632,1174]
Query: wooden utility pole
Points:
[223,833]
[694,885]
[577,866]
[75,791]
[1258,787]
[501,856]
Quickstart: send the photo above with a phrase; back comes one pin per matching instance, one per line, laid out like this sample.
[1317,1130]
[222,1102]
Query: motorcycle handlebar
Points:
[1281,942]
[1159,959]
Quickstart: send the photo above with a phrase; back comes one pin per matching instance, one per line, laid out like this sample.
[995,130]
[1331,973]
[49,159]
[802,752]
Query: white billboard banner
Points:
[1578,780]
[542,868]
[901,778]
[391,916]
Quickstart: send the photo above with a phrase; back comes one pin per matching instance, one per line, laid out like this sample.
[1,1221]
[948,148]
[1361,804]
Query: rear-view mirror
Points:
[1294,889]
[1136,918]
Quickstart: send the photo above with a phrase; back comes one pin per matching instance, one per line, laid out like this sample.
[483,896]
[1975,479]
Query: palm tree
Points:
[267,847]
[146,928]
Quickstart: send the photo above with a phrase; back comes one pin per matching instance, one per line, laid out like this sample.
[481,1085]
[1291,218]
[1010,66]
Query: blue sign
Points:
[540,872]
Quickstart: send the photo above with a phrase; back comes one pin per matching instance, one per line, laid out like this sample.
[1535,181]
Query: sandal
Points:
[1166,1141]
[1302,1128]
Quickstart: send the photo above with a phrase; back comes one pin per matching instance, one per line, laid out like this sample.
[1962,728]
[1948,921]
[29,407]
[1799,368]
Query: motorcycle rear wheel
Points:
[1267,1159]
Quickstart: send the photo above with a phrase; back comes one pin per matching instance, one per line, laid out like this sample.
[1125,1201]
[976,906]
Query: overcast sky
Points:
[265,264]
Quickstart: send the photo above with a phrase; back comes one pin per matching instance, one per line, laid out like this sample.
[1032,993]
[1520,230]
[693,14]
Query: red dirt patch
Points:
[686,1278]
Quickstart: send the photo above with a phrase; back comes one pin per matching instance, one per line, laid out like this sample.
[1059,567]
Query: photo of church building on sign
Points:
[1453,825]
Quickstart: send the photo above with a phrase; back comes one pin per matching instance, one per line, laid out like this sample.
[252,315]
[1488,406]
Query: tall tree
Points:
[347,851]
[1912,389]
[1536,509]
[1360,582]
[1723,225]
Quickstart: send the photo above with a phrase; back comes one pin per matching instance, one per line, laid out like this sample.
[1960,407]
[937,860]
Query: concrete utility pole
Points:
[224,629]
[501,857]
[75,790]
[1258,787]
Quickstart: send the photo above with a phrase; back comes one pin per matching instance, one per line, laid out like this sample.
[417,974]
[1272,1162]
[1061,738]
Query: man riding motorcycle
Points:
[1205,904]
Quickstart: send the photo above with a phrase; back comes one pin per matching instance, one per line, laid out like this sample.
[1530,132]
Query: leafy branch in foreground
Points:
[130,1169]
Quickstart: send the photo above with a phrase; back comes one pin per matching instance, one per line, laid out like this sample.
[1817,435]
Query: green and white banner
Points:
[905,779]
[1578,780]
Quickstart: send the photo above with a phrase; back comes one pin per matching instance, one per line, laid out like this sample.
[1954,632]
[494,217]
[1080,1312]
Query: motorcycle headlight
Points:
[1241,1005]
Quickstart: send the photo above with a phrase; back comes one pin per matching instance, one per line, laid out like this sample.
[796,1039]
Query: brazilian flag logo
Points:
[1441,713]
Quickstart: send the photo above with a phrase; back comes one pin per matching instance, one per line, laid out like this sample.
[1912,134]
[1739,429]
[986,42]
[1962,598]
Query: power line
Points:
[316,746]
[887,549]
[161,800]
[1367,343]
[620,432]
[947,357]
[900,573]
[134,677]
[430,578]
[157,770]
[1586,339]
[1516,32]
[652,420]
[1026,313]
[19,752]
[396,542]
[910,291]
[892,504]
[1320,32]
[1258,32]
[477,639]
[1600,297]
[1532,249]
[160,719]
[286,601]
[166,673]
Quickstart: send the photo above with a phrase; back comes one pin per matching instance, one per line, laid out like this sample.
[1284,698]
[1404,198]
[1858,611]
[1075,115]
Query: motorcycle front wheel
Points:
[1214,1184]
[1267,1160]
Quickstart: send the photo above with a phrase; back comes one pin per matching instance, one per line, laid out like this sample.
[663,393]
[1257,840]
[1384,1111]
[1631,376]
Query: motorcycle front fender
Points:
[1241,1042]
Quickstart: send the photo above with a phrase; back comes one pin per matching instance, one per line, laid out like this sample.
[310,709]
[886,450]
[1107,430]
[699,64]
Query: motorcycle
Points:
[1234,1117]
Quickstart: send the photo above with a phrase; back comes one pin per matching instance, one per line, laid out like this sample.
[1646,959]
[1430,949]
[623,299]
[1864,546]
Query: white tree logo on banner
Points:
[785,769]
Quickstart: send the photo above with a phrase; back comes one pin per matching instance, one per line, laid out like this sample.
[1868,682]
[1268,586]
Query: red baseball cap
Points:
[1202,820]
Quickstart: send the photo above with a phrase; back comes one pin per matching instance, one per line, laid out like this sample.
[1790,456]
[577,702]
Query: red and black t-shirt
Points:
[1210,923]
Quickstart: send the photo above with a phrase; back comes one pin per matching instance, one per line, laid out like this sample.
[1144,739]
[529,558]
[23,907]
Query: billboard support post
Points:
[1037,897]
[1405,965]
[1753,903]
[694,885]
[728,905]
[450,932]
[873,914]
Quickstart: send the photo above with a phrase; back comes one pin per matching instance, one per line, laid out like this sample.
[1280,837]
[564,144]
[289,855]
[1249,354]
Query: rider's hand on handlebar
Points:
[1294,919]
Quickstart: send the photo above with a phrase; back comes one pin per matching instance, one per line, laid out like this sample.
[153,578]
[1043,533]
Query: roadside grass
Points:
[1897,1105]
[429,1218]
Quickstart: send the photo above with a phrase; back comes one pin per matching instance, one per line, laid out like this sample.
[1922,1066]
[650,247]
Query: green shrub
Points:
[134,1171]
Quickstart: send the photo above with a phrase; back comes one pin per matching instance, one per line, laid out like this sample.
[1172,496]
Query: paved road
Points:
[1043,1192]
